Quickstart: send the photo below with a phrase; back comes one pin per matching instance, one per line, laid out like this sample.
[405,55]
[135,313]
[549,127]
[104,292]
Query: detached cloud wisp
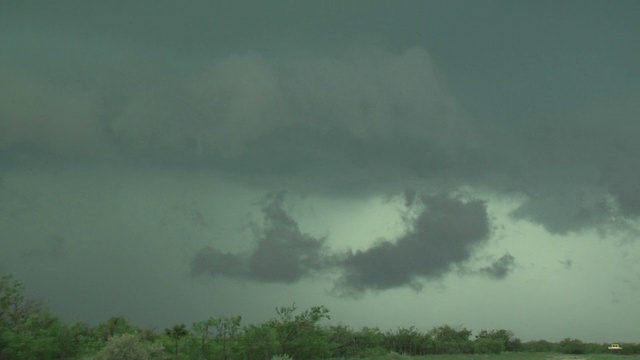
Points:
[283,253]
[501,267]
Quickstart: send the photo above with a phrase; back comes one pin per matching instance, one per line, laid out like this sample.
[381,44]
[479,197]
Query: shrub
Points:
[540,346]
[129,347]
[572,346]
[630,349]
[487,346]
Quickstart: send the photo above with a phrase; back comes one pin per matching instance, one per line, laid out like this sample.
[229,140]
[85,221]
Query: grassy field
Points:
[509,356]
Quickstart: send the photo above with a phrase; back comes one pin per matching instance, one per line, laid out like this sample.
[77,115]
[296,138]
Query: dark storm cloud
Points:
[283,252]
[370,118]
[42,118]
[569,211]
[443,233]
[501,267]
[580,170]
[357,113]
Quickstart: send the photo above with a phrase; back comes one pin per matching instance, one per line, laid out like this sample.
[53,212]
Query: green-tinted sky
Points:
[400,162]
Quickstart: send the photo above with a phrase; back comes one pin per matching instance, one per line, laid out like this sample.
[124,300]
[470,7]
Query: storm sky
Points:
[400,162]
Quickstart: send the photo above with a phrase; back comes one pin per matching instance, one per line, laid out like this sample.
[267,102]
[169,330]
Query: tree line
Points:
[28,330]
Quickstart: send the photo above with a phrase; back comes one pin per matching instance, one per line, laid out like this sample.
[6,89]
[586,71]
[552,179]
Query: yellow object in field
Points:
[614,347]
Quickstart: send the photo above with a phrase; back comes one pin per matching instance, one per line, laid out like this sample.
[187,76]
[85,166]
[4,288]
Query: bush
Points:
[487,346]
[630,349]
[539,346]
[129,347]
[572,346]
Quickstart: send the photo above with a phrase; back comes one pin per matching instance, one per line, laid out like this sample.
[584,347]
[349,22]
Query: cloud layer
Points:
[349,110]
[365,119]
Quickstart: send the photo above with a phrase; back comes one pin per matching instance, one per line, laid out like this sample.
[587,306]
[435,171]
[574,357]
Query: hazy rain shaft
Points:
[235,156]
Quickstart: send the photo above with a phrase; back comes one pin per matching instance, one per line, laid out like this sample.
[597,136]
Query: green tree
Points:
[407,341]
[259,342]
[176,333]
[37,337]
[15,308]
[28,330]
[300,335]
[79,340]
[505,337]
[370,341]
[116,325]
[225,330]
[204,330]
[341,341]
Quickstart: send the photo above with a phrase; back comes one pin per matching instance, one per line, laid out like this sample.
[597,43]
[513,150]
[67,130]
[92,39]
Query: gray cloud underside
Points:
[335,120]
[362,120]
